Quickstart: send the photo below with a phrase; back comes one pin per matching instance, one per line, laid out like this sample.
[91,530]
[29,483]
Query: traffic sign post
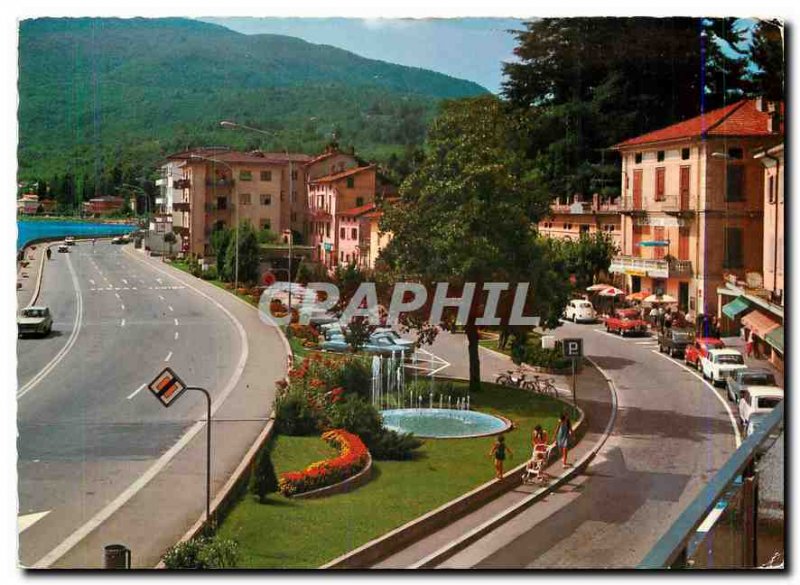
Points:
[167,387]
[573,349]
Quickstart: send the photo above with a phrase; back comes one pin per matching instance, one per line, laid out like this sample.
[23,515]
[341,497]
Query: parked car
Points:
[700,347]
[741,379]
[380,344]
[626,322]
[718,364]
[756,400]
[35,320]
[69,240]
[674,341]
[117,240]
[63,248]
[580,310]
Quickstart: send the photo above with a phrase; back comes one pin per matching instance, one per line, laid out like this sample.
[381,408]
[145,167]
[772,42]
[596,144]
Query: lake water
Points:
[32,230]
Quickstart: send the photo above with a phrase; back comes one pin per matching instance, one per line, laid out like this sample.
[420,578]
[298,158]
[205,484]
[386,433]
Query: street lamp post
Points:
[236,213]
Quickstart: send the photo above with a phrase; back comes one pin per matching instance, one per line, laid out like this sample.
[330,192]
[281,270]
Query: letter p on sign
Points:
[572,348]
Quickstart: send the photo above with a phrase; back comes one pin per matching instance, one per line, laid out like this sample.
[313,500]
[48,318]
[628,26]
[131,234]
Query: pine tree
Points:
[263,481]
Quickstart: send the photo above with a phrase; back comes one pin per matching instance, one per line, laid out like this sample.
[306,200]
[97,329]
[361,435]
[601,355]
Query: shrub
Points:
[263,481]
[359,417]
[545,358]
[210,274]
[353,457]
[391,445]
[202,553]
[295,415]
[355,377]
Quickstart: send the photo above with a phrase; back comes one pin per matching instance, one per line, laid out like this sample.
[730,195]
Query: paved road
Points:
[671,435]
[87,429]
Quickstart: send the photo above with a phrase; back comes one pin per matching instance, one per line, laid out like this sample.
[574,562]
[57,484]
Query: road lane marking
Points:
[169,355]
[734,424]
[76,327]
[161,297]
[122,324]
[170,308]
[91,282]
[25,521]
[176,322]
[135,392]
[123,307]
[176,335]
[124,281]
[88,527]
[116,294]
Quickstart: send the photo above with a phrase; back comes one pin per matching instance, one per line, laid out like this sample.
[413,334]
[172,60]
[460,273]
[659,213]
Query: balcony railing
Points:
[219,182]
[181,206]
[181,184]
[667,204]
[653,267]
[586,207]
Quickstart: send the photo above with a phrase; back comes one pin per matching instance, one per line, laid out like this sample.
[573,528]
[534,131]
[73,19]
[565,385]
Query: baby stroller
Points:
[534,472]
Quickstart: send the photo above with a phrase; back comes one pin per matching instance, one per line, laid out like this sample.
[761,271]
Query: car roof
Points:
[724,351]
[37,307]
[708,340]
[761,391]
[758,371]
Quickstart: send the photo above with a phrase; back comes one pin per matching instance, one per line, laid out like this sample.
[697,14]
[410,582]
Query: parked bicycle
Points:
[544,386]
[515,379]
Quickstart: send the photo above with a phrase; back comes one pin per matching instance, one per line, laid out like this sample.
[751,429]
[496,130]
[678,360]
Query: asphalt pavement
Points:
[95,447]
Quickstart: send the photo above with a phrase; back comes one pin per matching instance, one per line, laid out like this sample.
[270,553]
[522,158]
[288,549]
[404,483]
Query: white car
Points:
[580,310]
[756,400]
[718,364]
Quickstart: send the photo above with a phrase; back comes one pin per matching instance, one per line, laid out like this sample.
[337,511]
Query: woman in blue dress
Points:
[563,435]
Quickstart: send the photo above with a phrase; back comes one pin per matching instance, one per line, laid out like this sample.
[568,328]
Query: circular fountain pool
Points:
[443,423]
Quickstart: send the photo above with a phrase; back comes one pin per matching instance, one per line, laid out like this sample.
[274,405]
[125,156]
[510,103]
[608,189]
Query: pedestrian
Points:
[563,435]
[715,327]
[49,253]
[653,316]
[498,451]
[668,319]
[748,344]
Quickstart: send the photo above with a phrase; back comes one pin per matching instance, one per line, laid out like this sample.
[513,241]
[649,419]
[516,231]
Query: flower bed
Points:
[353,457]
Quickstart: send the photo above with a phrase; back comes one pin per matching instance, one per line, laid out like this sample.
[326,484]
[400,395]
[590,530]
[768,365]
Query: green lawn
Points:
[307,533]
[533,340]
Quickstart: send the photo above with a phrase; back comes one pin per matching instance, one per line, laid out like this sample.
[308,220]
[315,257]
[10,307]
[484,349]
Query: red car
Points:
[626,321]
[699,348]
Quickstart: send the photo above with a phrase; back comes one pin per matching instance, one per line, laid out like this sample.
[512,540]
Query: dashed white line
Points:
[124,281]
[91,282]
[123,307]
[170,308]
[176,335]
[122,324]
[176,322]
[135,392]
[169,355]
[161,297]
[116,294]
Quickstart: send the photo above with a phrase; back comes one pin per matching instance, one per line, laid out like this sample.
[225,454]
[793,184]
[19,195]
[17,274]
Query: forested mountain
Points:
[104,98]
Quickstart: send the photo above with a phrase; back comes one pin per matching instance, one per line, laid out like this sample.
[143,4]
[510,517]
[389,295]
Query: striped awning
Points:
[735,308]
[760,323]
[775,338]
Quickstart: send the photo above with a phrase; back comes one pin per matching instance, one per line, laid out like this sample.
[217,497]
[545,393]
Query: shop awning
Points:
[735,308]
[760,323]
[775,338]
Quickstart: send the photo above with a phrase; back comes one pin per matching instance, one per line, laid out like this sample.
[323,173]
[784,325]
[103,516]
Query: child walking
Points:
[498,451]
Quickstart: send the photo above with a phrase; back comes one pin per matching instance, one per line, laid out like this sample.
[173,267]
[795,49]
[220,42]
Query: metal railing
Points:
[667,268]
[668,203]
[673,548]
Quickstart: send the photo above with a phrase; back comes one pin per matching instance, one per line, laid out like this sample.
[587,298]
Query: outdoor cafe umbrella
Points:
[611,291]
[660,299]
[638,296]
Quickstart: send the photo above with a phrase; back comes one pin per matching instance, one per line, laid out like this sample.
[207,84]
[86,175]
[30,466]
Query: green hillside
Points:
[102,93]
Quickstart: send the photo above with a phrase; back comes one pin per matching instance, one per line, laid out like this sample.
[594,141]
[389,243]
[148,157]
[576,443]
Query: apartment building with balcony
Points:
[334,226]
[569,219]
[692,203]
[218,187]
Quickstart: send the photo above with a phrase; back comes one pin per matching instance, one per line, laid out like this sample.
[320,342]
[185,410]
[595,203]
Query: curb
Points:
[444,515]
[38,287]
[470,537]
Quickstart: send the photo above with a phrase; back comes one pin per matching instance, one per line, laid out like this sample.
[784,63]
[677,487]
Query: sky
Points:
[467,48]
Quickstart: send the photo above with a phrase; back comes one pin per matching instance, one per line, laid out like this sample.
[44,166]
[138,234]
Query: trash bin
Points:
[117,556]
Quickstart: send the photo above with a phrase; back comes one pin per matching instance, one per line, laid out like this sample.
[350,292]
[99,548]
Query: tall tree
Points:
[767,55]
[591,82]
[466,214]
[249,254]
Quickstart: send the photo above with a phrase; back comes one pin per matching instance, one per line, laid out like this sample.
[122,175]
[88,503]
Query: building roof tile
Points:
[341,175]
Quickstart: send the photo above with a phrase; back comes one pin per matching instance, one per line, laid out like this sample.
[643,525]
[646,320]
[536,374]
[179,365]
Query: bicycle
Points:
[511,378]
[544,386]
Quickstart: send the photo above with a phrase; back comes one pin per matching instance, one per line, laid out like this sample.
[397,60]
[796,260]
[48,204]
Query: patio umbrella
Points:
[638,296]
[597,287]
[611,291]
[662,299]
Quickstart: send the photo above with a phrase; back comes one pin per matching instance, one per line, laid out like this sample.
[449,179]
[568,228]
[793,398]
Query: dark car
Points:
[675,341]
[741,379]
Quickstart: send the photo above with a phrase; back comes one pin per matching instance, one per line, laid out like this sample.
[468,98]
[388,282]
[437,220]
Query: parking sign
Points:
[572,348]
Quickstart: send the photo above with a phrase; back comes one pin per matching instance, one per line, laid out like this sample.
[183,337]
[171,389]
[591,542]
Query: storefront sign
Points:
[659,221]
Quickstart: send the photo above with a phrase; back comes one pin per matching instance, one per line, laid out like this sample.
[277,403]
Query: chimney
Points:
[760,104]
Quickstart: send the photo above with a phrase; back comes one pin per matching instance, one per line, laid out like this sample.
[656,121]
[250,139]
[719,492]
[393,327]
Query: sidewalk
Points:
[594,398]
[737,343]
[28,276]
